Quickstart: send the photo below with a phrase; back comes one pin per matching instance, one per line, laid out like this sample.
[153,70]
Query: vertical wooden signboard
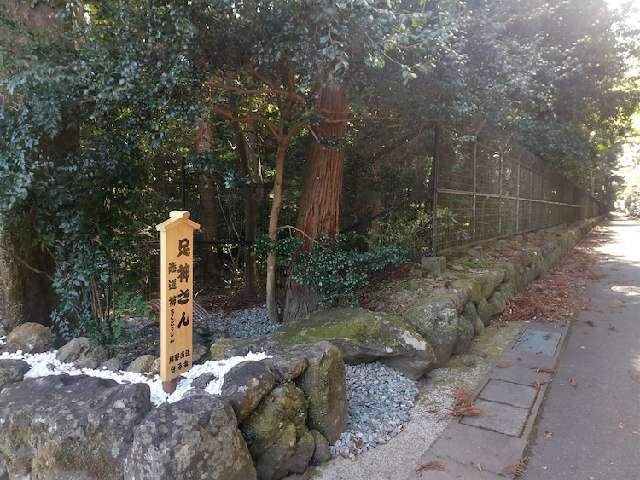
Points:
[176,297]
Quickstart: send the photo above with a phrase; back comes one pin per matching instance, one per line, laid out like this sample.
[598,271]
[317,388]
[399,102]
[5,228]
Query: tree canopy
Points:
[116,112]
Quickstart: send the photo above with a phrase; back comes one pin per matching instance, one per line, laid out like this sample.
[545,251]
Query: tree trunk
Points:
[26,294]
[276,205]
[252,208]
[249,169]
[321,195]
[208,194]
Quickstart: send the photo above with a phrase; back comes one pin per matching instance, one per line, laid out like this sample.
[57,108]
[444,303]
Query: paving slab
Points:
[538,341]
[521,375]
[499,417]
[530,360]
[514,394]
[453,470]
[489,450]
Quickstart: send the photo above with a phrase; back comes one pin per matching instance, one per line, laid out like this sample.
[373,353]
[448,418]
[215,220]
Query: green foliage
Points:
[131,304]
[335,267]
[100,107]
[409,228]
[337,271]
[632,203]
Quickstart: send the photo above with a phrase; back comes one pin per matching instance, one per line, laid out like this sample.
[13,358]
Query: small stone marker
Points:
[176,297]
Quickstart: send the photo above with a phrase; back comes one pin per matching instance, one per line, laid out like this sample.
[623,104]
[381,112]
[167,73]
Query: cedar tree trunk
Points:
[321,195]
[208,193]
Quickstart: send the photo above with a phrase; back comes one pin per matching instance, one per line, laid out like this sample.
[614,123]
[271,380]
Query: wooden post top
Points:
[177,217]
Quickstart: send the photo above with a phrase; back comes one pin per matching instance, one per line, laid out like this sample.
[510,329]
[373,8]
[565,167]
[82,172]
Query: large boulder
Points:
[277,436]
[485,312]
[437,321]
[142,364]
[193,439]
[466,332]
[12,371]
[30,338]
[245,386]
[466,289]
[489,280]
[324,385]
[471,315]
[364,336]
[82,353]
[322,452]
[69,427]
[497,303]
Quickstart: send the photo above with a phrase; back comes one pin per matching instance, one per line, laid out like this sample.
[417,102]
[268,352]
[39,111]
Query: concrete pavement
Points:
[589,428]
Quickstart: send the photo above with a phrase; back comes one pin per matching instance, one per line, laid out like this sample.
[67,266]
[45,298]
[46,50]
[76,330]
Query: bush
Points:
[336,267]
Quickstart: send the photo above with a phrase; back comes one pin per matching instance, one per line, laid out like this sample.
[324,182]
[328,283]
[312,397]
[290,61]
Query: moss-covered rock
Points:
[82,353]
[497,303]
[507,290]
[471,315]
[466,289]
[364,336]
[222,347]
[322,451]
[324,386]
[69,426]
[437,322]
[489,281]
[12,371]
[194,438]
[466,333]
[245,386]
[276,434]
[485,312]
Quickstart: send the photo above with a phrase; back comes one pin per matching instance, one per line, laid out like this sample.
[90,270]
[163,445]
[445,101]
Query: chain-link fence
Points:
[486,189]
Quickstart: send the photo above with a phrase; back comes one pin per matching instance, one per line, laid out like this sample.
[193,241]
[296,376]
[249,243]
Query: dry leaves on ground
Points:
[463,403]
[517,469]
[561,293]
[434,465]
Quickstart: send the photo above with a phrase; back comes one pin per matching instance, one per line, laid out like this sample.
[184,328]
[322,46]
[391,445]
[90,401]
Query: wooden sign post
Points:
[176,297]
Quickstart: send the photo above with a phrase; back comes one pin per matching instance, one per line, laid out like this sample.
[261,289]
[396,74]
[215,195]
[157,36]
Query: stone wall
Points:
[418,323]
[273,418]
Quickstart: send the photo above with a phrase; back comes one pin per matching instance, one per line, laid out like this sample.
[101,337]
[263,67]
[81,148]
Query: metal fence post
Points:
[474,213]
[500,198]
[434,178]
[518,199]
[531,197]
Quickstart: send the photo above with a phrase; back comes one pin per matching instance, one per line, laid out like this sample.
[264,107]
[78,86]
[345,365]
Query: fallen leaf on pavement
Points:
[552,371]
[434,465]
[516,469]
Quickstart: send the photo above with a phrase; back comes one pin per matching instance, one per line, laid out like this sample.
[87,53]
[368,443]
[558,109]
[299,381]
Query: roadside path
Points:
[589,428]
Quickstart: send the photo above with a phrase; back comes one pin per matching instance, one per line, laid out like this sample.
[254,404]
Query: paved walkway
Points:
[589,428]
[491,445]
[574,411]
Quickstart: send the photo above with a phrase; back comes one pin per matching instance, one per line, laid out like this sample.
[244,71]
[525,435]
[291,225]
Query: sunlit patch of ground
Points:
[430,416]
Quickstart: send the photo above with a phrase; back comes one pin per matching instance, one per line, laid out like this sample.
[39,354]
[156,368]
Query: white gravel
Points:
[379,401]
[46,364]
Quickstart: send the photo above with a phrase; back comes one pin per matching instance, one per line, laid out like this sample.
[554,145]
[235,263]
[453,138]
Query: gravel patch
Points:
[245,323]
[397,458]
[379,401]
